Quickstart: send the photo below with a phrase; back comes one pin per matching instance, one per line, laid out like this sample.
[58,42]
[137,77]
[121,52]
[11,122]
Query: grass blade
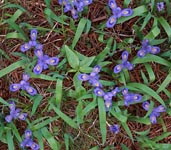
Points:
[151,58]
[3,101]
[166,27]
[49,137]
[12,67]
[72,57]
[10,140]
[137,12]
[36,103]
[58,92]
[68,120]
[147,90]
[165,83]
[79,31]
[102,118]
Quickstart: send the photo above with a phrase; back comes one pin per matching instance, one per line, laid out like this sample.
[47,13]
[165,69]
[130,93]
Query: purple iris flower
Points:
[96,83]
[146,105]
[31,43]
[99,92]
[15,113]
[83,77]
[28,142]
[74,13]
[160,109]
[74,6]
[93,78]
[43,61]
[147,48]
[155,112]
[124,91]
[96,69]
[117,13]
[115,91]
[108,100]
[24,85]
[108,104]
[160,6]
[125,63]
[153,118]
[108,96]
[130,98]
[114,128]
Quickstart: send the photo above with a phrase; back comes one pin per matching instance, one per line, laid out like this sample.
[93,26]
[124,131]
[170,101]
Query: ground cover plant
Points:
[85,74]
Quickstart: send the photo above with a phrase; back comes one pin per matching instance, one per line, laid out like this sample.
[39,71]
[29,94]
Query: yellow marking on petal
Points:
[96,70]
[112,20]
[135,97]
[125,12]
[125,57]
[30,90]
[38,53]
[108,105]
[113,5]
[21,116]
[15,87]
[85,2]
[99,92]
[97,84]
[28,134]
[154,50]
[153,119]
[38,68]
[26,46]
[114,92]
[73,11]
[33,145]
[147,106]
[124,92]
[33,35]
[161,108]
[52,61]
[84,76]
[142,53]
[118,68]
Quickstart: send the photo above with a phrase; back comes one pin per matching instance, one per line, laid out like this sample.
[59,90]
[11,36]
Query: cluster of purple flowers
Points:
[93,78]
[74,6]
[147,48]
[155,112]
[43,60]
[24,85]
[15,113]
[114,128]
[107,96]
[28,141]
[117,13]
[160,6]
[125,63]
[130,98]
[32,43]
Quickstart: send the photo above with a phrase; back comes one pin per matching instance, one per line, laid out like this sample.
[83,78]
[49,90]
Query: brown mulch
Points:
[87,45]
